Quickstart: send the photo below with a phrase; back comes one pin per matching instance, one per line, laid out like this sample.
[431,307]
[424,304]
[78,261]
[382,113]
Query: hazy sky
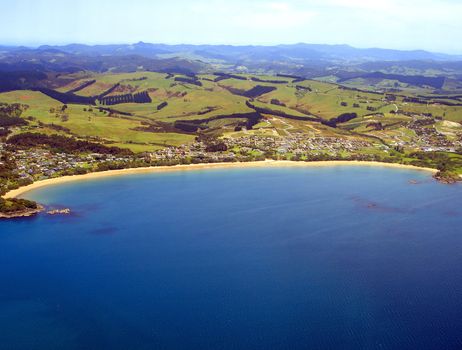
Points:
[403,24]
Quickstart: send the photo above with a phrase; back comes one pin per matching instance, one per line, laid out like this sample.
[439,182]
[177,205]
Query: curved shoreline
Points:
[183,167]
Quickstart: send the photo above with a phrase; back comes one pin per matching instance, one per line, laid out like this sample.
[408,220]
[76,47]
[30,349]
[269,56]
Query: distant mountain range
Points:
[228,53]
[26,66]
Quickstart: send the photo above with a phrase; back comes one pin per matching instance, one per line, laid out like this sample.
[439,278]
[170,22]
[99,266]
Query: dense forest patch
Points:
[259,90]
[63,144]
[343,118]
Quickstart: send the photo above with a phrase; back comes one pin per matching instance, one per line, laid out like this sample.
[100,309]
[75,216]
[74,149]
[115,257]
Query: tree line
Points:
[191,126]
[269,81]
[140,97]
[82,86]
[193,80]
[67,98]
[224,76]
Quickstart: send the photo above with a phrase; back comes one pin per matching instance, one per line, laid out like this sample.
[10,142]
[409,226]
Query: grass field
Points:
[92,124]
[208,99]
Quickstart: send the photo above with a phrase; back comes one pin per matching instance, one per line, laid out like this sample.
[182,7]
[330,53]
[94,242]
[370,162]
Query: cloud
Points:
[279,6]
[362,4]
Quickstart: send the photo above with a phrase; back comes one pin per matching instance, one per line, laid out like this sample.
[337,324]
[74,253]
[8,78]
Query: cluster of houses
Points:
[427,137]
[430,139]
[38,164]
[298,144]
[196,150]
[260,145]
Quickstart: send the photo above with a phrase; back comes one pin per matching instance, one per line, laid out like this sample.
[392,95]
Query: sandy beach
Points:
[268,163]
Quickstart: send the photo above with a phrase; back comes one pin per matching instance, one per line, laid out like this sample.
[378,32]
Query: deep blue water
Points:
[292,258]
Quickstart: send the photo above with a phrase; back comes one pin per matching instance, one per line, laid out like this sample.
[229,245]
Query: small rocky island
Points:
[65,211]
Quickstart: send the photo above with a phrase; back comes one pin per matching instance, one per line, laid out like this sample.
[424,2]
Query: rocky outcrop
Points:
[447,177]
[65,211]
[22,213]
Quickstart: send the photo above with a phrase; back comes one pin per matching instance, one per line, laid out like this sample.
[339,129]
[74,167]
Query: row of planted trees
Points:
[140,97]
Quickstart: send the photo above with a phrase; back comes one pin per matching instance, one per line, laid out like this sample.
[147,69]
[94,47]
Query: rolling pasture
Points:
[144,111]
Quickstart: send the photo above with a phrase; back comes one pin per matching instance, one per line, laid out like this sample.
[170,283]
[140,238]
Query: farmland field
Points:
[178,106]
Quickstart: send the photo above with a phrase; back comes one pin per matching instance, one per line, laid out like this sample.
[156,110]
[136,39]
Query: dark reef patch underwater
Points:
[277,258]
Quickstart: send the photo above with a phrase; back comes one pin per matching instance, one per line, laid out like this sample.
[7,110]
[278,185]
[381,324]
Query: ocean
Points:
[265,258]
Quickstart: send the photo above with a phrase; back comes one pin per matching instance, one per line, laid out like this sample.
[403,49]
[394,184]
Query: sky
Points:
[433,25]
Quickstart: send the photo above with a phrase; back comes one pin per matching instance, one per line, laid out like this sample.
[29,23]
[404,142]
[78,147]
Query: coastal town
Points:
[42,163]
[417,139]
[233,149]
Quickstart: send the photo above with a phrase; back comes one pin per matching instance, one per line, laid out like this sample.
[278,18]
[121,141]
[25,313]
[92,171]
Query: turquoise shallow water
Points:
[277,258]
